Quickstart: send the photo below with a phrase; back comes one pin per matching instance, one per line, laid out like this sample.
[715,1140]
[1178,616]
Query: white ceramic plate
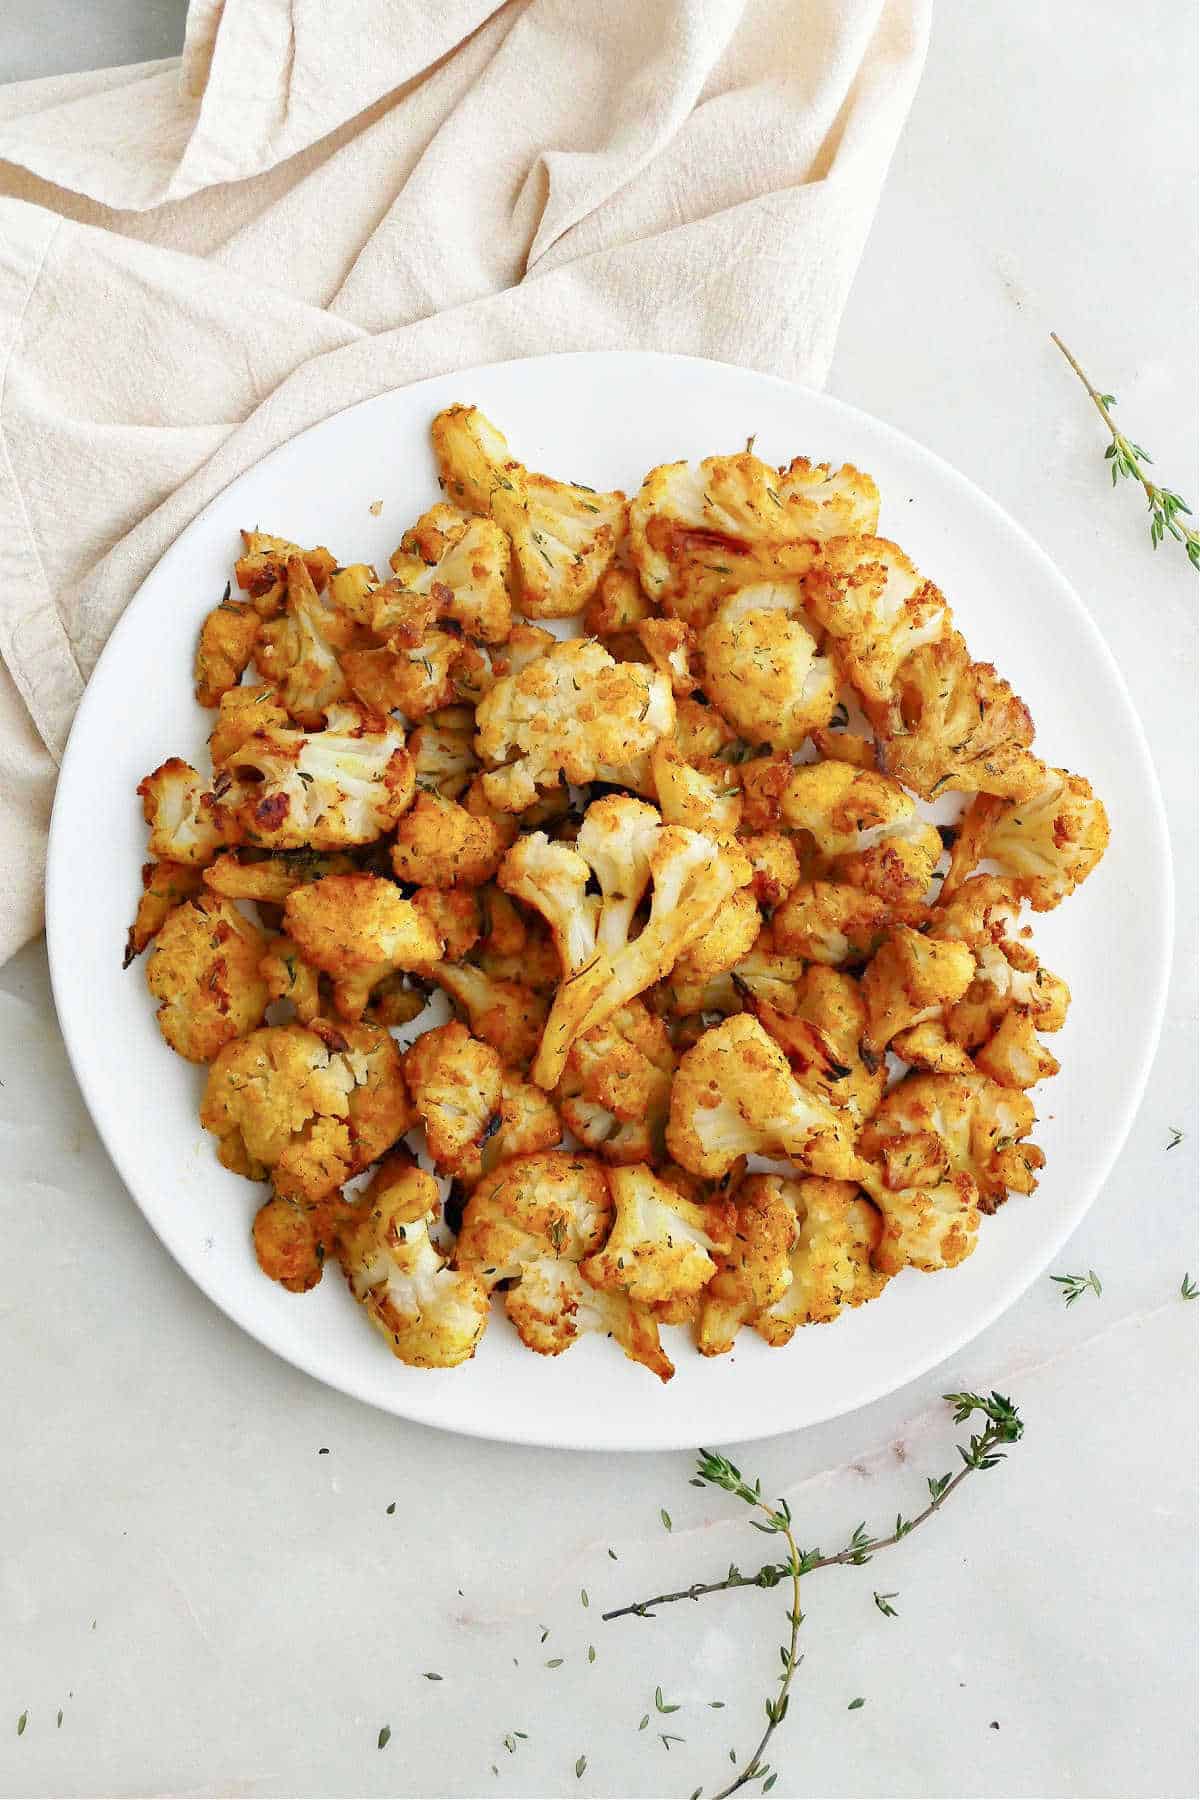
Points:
[605,419]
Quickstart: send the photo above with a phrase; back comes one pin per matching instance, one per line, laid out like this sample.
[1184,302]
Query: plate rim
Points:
[1031,1267]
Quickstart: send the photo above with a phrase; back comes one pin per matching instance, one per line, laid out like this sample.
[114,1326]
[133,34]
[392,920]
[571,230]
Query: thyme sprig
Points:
[1127,459]
[986,1448]
[1075,1286]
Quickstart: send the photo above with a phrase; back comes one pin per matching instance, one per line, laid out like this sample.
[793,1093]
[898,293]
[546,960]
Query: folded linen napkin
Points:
[325,199]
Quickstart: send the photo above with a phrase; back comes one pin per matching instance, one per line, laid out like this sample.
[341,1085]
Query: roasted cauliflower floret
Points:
[440,844]
[930,1221]
[251,875]
[762,669]
[866,829]
[431,1315]
[837,1233]
[944,1125]
[615,611]
[241,712]
[298,652]
[821,1035]
[226,644]
[661,1245]
[554,1305]
[877,609]
[292,1240]
[165,885]
[454,916]
[911,978]
[454,1080]
[472,456]
[261,570]
[776,866]
[352,592]
[204,971]
[616,1087]
[1046,844]
[555,1204]
[755,1272]
[324,789]
[415,679]
[830,922]
[735,1095]
[289,977]
[1014,1056]
[572,712]
[727,940]
[697,534]
[954,723]
[507,1014]
[442,751]
[359,930]
[704,795]
[181,810]
[463,565]
[310,1106]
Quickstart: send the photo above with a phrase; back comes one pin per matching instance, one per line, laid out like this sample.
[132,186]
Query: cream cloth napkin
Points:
[325,199]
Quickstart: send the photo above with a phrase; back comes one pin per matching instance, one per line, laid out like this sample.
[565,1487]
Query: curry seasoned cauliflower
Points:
[462,564]
[440,844]
[830,922]
[837,1233]
[761,668]
[955,1125]
[821,1032]
[554,1305]
[877,609]
[164,886]
[307,1105]
[226,644]
[574,713]
[755,1272]
[508,1014]
[910,979]
[455,1082]
[443,753]
[257,875]
[261,570]
[182,812]
[298,652]
[323,790]
[735,1095]
[431,1315]
[1046,844]
[204,972]
[292,1240]
[359,930]
[616,1087]
[661,1245]
[954,723]
[697,534]
[556,1204]
[563,536]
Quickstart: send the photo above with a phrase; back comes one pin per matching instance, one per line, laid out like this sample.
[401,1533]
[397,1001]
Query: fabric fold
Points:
[322,200]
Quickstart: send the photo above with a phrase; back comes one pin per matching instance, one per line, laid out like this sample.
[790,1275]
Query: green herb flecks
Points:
[1075,1286]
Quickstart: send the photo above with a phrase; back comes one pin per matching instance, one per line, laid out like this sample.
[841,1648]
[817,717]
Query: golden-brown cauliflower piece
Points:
[616,1086]
[204,970]
[416,677]
[911,978]
[462,563]
[554,1204]
[877,609]
[776,866]
[507,1014]
[954,723]
[735,1095]
[661,1245]
[564,536]
[955,1124]
[1014,1056]
[755,1272]
[704,795]
[726,941]
[554,1305]
[930,1217]
[241,712]
[440,844]
[298,652]
[454,916]
[830,922]
[289,977]
[165,885]
[762,669]
[324,789]
[225,646]
[431,1315]
[821,1034]
[262,569]
[181,810]
[292,1240]
[310,1106]
[837,1233]
[614,613]
[572,712]
[697,534]
[1046,844]
[442,751]
[358,929]
[253,875]
[454,1080]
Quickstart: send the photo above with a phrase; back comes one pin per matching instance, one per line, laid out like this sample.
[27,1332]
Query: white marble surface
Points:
[219,1609]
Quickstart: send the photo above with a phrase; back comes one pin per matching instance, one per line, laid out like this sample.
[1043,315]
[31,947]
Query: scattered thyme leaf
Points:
[580,1766]
[391,1508]
[855,1704]
[555,1662]
[22,1722]
[1075,1286]
[665,1516]
[882,1601]
[1176,1137]
[384,1736]
[583,1597]
[431,1675]
[1188,1288]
